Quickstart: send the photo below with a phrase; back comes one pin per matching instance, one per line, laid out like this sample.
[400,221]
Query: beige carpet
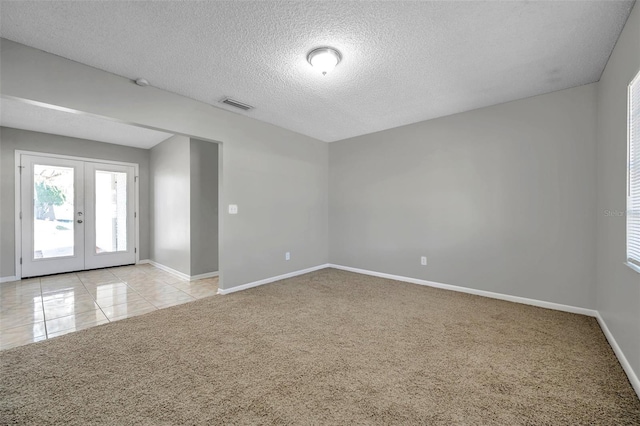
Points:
[330,347]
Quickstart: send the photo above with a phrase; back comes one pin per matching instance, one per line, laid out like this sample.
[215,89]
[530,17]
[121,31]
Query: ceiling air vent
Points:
[236,104]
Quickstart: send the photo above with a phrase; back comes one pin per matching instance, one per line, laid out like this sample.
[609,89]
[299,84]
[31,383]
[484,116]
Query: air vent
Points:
[236,104]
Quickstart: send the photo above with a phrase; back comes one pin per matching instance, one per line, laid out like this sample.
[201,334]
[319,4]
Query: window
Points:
[633,184]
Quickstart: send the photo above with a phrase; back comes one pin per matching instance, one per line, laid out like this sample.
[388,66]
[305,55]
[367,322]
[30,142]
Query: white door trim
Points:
[18,199]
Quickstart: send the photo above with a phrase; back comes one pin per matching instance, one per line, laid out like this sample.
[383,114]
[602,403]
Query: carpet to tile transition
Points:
[330,347]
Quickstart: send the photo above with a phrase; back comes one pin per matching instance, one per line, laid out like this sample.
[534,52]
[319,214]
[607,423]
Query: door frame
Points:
[18,199]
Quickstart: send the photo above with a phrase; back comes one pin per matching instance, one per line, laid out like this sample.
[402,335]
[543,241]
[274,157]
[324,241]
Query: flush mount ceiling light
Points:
[324,59]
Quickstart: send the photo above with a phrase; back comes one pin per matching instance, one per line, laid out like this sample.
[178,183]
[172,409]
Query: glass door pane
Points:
[53,211]
[110,227]
[111,211]
[51,215]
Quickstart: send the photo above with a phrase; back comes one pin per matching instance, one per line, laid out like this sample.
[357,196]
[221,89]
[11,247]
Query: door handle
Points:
[79,220]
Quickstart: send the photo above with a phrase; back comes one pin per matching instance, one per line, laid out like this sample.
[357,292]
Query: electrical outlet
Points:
[423,260]
[287,256]
[233,209]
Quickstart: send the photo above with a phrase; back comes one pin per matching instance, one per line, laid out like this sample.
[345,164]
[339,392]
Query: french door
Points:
[75,215]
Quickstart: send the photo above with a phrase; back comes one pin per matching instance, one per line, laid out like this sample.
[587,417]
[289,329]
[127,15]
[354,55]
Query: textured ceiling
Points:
[21,115]
[403,62]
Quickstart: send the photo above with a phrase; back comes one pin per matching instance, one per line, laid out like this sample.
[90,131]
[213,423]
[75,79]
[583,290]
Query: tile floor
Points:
[40,308]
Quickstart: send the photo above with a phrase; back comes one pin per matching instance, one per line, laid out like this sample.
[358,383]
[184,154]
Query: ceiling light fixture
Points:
[324,59]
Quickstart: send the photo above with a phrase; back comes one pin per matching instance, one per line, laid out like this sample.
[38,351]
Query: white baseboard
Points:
[270,280]
[492,295]
[203,276]
[178,273]
[169,270]
[633,378]
[8,279]
[516,299]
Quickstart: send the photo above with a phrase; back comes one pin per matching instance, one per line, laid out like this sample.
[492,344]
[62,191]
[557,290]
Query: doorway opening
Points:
[74,213]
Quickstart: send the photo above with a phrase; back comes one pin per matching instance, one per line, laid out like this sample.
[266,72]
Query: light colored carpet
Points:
[330,347]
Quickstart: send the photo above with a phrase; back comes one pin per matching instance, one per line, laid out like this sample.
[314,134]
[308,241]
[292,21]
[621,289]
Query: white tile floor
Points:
[40,308]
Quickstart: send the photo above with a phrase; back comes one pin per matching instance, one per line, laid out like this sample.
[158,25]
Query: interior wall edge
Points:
[617,285]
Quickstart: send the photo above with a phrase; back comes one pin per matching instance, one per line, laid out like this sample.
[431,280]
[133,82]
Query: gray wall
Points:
[499,199]
[618,287]
[14,139]
[278,178]
[170,204]
[204,207]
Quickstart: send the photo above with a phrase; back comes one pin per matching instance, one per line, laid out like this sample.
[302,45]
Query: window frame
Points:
[632,262]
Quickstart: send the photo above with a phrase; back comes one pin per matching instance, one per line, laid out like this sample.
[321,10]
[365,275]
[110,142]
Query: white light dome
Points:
[324,59]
